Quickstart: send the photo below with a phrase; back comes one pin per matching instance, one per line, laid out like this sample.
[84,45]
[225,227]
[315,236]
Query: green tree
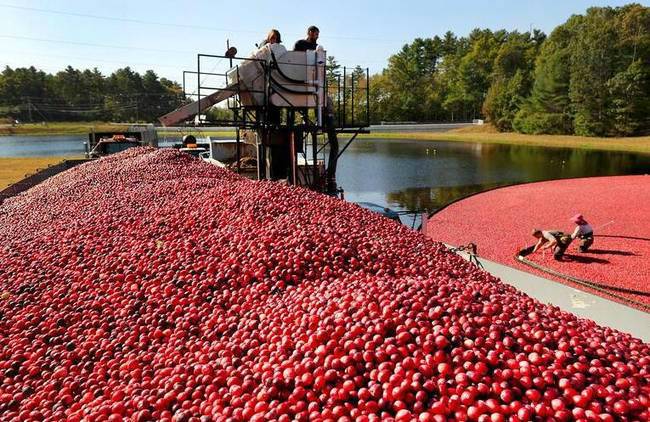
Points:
[592,65]
[124,86]
[380,103]
[511,78]
[22,90]
[333,71]
[630,102]
[474,73]
[72,94]
[547,110]
[591,77]
[409,80]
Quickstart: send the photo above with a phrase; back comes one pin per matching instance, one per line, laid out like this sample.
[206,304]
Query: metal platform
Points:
[289,103]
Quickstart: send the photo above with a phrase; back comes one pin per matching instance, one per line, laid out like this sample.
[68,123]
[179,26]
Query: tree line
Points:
[590,76]
[28,94]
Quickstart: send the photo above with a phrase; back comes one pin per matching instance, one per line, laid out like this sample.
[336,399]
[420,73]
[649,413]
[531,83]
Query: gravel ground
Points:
[618,208]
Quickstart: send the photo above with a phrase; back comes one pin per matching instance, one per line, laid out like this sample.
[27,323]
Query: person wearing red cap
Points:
[583,231]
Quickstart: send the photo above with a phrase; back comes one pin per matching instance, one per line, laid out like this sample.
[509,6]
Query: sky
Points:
[166,36]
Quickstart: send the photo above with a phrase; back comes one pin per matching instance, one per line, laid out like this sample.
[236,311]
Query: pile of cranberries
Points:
[151,286]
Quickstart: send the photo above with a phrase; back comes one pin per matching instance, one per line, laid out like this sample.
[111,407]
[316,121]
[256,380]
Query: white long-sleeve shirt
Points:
[581,230]
[264,52]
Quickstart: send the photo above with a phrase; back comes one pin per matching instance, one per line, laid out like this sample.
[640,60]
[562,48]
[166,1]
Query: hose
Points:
[603,288]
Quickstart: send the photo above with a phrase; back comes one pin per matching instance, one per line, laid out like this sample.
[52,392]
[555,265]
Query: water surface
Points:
[423,176]
[411,175]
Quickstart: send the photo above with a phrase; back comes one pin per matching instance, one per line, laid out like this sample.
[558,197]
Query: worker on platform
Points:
[271,49]
[555,239]
[311,43]
[272,45]
[583,231]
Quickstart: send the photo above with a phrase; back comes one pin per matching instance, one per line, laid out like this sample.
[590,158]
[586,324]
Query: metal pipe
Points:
[338,97]
[344,98]
[352,96]
[348,144]
[319,96]
[314,153]
[228,48]
[237,152]
[367,96]
[191,72]
[212,88]
[292,149]
[198,87]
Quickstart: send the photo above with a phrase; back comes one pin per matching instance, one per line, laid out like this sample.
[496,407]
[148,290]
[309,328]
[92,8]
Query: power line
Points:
[47,40]
[175,25]
[18,37]
[129,20]
[130,94]
[90,59]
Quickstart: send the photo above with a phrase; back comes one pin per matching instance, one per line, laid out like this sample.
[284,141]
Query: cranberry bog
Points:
[500,222]
[149,285]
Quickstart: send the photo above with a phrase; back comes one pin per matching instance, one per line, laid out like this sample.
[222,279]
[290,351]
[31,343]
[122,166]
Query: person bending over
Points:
[555,239]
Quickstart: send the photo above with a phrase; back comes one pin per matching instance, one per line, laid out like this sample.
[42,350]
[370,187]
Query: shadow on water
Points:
[432,199]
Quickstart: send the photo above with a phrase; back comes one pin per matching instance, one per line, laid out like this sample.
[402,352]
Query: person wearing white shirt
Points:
[272,44]
[583,231]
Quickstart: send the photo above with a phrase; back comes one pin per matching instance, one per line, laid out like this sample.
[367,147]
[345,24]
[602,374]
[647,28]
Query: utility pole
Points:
[29,110]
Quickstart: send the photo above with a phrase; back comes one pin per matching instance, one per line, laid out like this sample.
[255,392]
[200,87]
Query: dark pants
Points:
[563,242]
[586,242]
[558,251]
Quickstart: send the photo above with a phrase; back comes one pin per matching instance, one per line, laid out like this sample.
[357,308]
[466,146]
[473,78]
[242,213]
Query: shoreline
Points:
[59,128]
[639,145]
[484,134]
[14,169]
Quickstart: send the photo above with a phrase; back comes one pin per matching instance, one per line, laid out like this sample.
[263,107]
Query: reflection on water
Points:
[42,146]
[431,199]
[422,176]
[56,145]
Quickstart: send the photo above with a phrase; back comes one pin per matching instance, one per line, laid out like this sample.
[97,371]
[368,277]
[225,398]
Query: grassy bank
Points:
[198,133]
[487,134]
[482,134]
[15,169]
[60,128]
